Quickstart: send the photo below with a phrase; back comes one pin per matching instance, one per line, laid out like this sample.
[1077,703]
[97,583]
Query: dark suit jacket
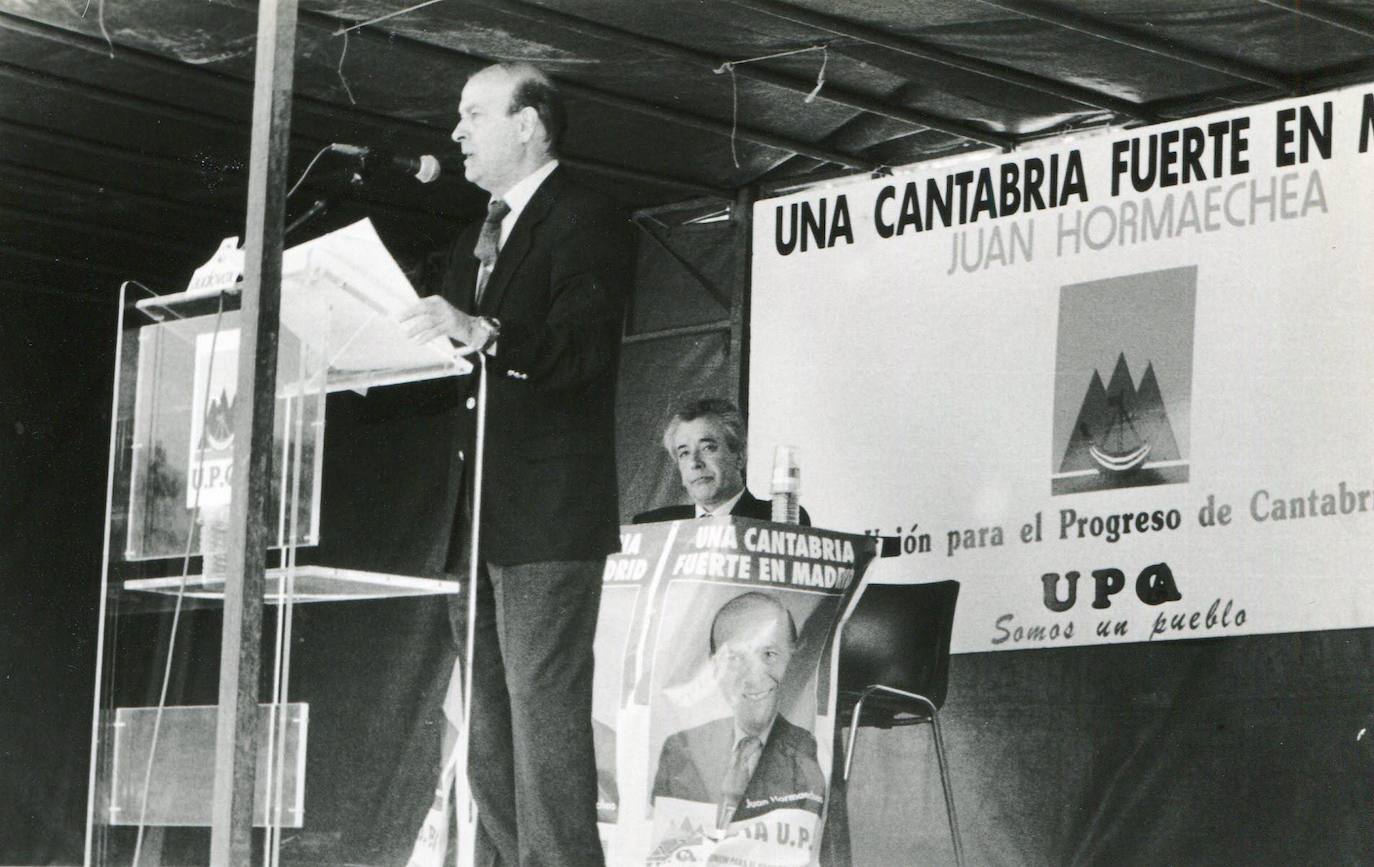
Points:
[749,506]
[559,290]
[693,763]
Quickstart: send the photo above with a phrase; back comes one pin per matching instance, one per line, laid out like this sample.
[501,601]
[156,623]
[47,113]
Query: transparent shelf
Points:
[311,584]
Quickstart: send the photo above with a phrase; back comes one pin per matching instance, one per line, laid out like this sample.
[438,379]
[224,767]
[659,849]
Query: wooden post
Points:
[742,221]
[240,644]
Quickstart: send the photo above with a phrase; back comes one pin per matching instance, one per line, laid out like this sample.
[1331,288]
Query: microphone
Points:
[423,168]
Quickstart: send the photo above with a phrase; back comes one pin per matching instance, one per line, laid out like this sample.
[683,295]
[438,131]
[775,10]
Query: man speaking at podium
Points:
[539,287]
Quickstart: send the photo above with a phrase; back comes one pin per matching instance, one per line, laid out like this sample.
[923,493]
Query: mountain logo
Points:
[214,389]
[1124,433]
[684,842]
[219,423]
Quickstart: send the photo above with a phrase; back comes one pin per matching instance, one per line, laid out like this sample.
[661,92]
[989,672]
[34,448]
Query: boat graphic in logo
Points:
[1124,433]
[1122,430]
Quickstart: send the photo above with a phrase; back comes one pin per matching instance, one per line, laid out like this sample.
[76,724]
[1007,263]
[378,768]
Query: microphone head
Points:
[348,150]
[429,169]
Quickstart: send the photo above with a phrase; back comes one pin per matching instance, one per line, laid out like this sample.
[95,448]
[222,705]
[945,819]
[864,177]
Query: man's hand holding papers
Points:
[352,295]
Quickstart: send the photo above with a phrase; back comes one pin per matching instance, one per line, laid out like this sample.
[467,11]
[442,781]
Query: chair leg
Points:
[854,731]
[946,785]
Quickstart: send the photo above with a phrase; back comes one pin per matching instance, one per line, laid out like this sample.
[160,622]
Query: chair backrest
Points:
[898,636]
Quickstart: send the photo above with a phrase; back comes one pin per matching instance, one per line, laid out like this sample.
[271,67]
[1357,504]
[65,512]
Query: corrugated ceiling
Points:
[124,124]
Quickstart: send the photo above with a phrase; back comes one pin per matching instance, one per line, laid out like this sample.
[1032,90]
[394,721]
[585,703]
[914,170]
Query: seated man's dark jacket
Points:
[748,506]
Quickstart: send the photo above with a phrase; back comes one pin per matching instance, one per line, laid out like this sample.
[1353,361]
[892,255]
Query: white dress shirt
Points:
[516,198]
[723,509]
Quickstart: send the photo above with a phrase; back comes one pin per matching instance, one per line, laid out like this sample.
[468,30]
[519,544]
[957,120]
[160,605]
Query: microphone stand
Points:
[321,206]
[317,208]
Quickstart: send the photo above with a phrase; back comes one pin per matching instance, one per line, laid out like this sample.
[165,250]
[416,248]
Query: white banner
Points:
[1119,386]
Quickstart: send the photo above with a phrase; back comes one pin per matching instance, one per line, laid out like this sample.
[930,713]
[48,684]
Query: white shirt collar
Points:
[518,196]
[724,508]
[741,734]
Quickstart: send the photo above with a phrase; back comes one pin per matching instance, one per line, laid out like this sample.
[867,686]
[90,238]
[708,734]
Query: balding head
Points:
[747,613]
[753,637]
[510,120]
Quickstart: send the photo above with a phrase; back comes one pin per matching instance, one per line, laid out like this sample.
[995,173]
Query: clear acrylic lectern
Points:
[170,461]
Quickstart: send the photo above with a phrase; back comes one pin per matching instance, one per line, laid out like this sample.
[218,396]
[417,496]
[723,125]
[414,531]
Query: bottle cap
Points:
[786,473]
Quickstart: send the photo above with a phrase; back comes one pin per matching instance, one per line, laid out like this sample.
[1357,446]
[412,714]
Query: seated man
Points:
[707,440]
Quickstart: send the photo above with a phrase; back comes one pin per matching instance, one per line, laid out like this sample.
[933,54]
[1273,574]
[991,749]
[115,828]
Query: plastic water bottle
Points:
[786,487]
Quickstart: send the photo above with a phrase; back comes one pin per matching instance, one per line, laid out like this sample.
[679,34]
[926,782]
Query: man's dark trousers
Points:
[535,626]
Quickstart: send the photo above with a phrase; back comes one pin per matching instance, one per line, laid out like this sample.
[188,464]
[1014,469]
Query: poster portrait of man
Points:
[716,778]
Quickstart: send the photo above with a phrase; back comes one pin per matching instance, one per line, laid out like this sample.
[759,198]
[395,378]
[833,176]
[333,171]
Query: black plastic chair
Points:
[894,668]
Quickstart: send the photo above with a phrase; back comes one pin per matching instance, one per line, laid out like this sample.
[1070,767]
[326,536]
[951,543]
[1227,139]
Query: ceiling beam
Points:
[12,250]
[104,151]
[802,170]
[935,54]
[74,225]
[608,170]
[333,21]
[351,116]
[204,77]
[830,93]
[711,125]
[720,294]
[226,85]
[209,218]
[92,148]
[1342,20]
[128,102]
[1347,74]
[103,191]
[44,289]
[1115,33]
[153,62]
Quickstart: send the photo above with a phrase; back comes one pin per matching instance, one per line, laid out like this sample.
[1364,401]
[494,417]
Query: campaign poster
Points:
[726,696]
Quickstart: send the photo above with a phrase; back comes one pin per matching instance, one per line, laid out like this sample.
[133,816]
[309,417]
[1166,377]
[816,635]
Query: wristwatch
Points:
[490,329]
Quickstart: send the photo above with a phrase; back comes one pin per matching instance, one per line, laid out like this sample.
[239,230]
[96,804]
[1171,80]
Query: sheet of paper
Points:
[345,292]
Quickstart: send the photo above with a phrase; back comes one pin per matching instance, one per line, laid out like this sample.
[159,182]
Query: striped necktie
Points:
[488,244]
[744,760]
